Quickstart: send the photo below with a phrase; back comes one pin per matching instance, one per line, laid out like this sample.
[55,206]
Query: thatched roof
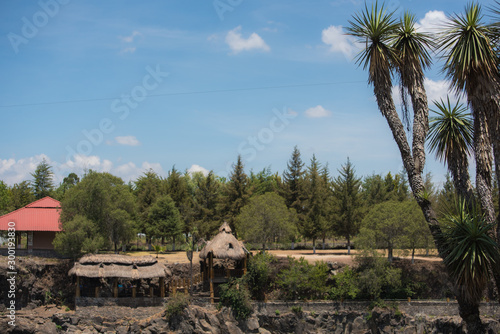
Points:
[224,246]
[120,266]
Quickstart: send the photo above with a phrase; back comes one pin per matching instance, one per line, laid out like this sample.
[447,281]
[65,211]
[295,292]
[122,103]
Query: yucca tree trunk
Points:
[385,103]
[420,121]
[459,169]
[484,99]
[469,312]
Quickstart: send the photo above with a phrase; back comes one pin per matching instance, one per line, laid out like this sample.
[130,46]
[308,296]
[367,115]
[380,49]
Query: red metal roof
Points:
[41,215]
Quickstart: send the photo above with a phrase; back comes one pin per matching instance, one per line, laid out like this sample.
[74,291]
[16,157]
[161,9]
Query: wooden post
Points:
[151,294]
[211,292]
[174,287]
[134,291]
[245,264]
[96,292]
[162,287]
[115,288]
[211,264]
[77,286]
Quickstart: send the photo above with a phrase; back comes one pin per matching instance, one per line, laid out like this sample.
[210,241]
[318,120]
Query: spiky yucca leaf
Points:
[468,49]
[470,251]
[374,28]
[450,131]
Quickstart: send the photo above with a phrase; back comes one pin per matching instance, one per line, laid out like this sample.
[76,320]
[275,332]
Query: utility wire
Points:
[183,93]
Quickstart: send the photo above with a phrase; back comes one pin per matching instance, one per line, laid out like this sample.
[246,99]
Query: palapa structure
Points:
[224,246]
[119,267]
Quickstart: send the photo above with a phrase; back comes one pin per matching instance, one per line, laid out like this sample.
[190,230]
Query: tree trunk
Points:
[390,257]
[293,245]
[314,245]
[413,256]
[348,246]
[469,312]
[173,244]
[324,242]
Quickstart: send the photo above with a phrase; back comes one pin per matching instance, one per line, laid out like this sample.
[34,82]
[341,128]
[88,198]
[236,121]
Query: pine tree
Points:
[21,194]
[237,193]
[292,186]
[207,205]
[348,205]
[147,190]
[43,184]
[315,213]
[178,189]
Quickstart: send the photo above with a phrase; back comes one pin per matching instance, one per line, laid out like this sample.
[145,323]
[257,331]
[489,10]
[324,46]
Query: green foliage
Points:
[165,218]
[80,237]
[377,278]
[345,285]
[104,209]
[303,280]
[147,190]
[43,183]
[266,219]
[237,193]
[263,182]
[21,194]
[293,184]
[4,198]
[235,295]
[277,312]
[348,204]
[297,309]
[470,251]
[258,276]
[176,304]
[207,196]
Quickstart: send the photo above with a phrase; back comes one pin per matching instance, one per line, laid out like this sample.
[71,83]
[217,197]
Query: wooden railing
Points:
[184,283]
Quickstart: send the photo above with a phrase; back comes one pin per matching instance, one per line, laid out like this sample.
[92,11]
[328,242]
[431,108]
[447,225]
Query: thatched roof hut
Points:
[119,266]
[225,246]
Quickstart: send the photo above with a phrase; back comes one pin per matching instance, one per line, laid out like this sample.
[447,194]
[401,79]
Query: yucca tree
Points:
[470,252]
[450,137]
[376,28]
[471,66]
[412,59]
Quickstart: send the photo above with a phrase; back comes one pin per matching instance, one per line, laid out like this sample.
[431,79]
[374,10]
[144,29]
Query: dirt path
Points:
[328,255]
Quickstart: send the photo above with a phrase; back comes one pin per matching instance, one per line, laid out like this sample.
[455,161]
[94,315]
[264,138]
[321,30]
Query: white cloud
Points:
[237,43]
[15,171]
[127,140]
[197,168]
[339,42]
[317,112]
[432,22]
[128,50]
[130,39]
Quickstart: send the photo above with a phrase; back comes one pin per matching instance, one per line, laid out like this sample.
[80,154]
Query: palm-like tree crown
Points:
[450,131]
[374,28]
[412,49]
[470,251]
[468,49]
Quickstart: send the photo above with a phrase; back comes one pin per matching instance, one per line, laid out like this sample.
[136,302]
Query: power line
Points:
[183,93]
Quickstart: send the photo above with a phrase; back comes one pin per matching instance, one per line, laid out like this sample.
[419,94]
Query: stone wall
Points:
[130,302]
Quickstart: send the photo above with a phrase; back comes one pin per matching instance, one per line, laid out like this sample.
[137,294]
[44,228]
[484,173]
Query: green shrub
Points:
[345,285]
[297,309]
[176,304]
[235,295]
[258,276]
[303,280]
[377,278]
[277,312]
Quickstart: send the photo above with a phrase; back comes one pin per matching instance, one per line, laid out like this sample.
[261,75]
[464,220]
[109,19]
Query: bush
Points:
[258,276]
[303,280]
[377,278]
[176,304]
[345,285]
[235,295]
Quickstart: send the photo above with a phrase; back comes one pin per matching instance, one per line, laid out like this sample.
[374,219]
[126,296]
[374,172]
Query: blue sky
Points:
[124,86]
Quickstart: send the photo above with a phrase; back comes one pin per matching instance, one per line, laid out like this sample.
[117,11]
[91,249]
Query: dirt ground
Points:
[328,255]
